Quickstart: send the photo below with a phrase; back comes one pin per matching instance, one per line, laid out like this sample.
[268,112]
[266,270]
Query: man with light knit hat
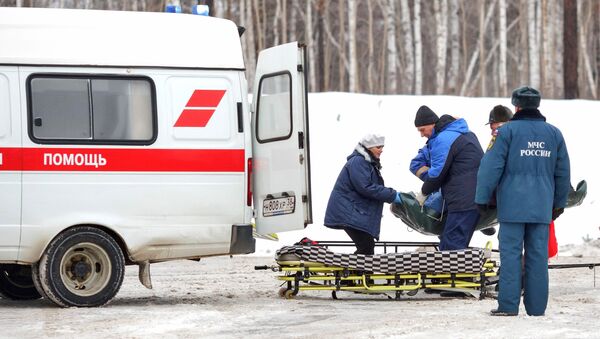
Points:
[449,160]
[356,201]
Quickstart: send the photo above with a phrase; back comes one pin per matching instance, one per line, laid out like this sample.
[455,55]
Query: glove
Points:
[483,209]
[398,199]
[556,212]
[420,197]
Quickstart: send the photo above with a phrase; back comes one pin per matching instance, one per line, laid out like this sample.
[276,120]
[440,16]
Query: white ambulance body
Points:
[127,138]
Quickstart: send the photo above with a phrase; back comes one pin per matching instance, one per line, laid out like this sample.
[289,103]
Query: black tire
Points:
[35,276]
[83,266]
[16,283]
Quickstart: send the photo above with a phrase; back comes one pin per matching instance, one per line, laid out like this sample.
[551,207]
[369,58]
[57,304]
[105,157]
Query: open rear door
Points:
[281,157]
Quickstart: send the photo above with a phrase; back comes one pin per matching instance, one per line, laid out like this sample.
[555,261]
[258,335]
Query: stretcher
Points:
[471,272]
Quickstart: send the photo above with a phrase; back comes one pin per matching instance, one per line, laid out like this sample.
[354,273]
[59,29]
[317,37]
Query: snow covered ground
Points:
[225,297]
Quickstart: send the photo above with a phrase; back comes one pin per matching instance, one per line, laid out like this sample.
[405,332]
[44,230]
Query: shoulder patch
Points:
[491,144]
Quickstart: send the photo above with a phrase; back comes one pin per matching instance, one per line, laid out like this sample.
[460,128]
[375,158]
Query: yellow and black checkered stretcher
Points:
[309,268]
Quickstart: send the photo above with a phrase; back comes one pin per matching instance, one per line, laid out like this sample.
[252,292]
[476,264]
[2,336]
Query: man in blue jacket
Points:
[529,165]
[449,160]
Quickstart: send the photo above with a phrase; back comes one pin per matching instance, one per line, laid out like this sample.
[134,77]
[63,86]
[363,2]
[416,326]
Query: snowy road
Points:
[225,298]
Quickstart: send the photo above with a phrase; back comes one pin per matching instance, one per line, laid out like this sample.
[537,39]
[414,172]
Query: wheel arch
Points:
[111,232]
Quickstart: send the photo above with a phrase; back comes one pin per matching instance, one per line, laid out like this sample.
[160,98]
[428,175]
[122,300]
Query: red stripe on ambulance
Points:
[194,117]
[200,108]
[122,160]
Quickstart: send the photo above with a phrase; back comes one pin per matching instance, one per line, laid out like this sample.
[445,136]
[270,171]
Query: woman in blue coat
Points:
[356,202]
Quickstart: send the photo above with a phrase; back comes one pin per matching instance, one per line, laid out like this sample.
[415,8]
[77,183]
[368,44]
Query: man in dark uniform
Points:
[529,165]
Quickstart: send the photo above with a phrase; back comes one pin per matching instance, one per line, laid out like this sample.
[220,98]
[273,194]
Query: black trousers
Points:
[365,243]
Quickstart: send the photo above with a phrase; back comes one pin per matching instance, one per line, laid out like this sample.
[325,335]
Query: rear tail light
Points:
[249,189]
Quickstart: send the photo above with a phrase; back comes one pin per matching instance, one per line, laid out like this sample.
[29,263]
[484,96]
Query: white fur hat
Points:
[372,140]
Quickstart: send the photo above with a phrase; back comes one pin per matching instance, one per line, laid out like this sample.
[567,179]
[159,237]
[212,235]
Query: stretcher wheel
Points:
[286,293]
[412,293]
[289,294]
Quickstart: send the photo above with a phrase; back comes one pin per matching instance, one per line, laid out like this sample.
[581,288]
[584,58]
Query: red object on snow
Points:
[552,242]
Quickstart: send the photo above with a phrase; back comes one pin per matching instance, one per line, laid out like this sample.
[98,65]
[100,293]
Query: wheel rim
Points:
[85,269]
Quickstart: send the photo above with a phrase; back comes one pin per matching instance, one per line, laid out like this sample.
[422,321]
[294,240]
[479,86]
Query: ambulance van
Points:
[127,138]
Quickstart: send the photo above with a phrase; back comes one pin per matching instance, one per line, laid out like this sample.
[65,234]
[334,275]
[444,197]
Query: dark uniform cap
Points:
[425,116]
[526,97]
[500,114]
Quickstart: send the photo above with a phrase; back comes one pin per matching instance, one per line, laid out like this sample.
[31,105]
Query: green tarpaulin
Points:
[428,221]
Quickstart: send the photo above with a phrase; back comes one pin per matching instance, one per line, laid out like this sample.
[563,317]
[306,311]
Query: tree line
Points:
[451,47]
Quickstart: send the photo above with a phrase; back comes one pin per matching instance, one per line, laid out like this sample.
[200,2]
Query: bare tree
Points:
[308,37]
[275,25]
[454,47]
[503,84]
[392,52]
[284,26]
[418,48]
[584,18]
[352,55]
[415,46]
[558,51]
[248,38]
[327,48]
[547,75]
[482,50]
[467,80]
[293,15]
[256,18]
[320,57]
[342,41]
[534,51]
[371,49]
[521,49]
[440,9]
[570,49]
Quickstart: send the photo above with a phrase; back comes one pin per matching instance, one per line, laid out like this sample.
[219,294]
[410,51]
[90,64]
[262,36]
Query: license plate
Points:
[279,206]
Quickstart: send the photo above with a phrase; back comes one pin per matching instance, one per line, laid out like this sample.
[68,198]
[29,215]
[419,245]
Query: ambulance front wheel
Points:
[83,266]
[16,283]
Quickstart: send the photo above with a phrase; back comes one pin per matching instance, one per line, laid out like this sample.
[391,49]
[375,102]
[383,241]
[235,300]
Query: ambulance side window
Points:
[91,109]
[274,108]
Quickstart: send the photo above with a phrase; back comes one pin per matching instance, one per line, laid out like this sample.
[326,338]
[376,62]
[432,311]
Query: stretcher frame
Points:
[299,275]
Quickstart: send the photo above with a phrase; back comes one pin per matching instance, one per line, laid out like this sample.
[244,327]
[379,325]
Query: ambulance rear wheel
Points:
[16,283]
[83,266]
[35,276]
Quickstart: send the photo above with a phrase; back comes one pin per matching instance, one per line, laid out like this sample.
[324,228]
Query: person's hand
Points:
[556,212]
[420,197]
[398,199]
